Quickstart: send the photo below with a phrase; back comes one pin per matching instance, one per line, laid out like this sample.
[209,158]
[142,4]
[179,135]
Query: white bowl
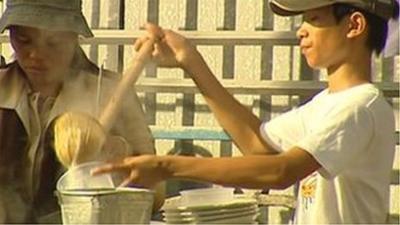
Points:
[79,177]
[206,196]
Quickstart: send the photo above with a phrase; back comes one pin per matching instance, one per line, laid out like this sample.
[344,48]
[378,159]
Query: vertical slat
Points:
[189,99]
[121,25]
[152,17]
[266,60]
[94,24]
[150,98]
[109,19]
[229,23]
[153,11]
[388,69]
[191,15]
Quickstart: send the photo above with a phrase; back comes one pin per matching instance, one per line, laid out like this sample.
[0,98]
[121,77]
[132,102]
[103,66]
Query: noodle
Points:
[78,138]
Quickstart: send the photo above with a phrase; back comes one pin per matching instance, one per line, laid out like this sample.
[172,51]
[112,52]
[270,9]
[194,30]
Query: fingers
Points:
[110,167]
[139,42]
[158,51]
[155,32]
[120,166]
[125,182]
[146,45]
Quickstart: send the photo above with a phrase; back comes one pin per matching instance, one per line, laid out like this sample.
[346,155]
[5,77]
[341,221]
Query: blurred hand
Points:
[142,170]
[171,49]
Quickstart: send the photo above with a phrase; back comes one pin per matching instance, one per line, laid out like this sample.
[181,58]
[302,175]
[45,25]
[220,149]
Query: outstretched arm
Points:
[257,171]
[173,50]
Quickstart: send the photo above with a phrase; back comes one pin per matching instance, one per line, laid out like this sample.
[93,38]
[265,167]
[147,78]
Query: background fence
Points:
[250,50]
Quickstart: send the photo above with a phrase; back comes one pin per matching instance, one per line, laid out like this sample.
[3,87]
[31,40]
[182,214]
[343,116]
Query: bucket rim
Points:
[103,191]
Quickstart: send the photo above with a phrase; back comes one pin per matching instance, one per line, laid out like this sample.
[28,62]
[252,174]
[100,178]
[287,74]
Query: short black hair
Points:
[378,26]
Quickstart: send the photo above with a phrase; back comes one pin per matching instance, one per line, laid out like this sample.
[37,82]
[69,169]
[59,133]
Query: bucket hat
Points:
[58,15]
[382,8]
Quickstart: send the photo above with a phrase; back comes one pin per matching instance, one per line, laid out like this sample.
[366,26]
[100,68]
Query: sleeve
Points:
[132,126]
[285,130]
[336,142]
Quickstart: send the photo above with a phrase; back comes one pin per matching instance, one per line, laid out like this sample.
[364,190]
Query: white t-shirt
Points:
[351,134]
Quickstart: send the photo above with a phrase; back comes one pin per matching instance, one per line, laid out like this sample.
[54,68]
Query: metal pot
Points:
[106,206]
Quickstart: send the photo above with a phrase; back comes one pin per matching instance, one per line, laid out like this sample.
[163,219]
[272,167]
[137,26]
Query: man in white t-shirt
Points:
[340,145]
[350,134]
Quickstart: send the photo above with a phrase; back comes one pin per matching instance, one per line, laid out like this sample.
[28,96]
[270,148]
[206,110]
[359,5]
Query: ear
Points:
[357,25]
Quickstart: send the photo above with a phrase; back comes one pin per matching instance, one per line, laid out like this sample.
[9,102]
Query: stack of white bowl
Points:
[210,206]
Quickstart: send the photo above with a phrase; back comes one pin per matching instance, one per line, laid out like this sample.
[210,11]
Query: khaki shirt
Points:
[77,94]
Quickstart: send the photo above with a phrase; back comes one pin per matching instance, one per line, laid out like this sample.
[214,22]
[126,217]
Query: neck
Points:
[46,90]
[46,87]
[355,71]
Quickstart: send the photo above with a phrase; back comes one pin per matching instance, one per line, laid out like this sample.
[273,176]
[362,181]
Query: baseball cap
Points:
[381,8]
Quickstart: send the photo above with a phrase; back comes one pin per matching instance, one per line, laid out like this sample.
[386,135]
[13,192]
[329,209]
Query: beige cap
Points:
[59,15]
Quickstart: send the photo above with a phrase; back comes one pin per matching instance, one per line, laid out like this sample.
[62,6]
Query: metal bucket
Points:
[106,206]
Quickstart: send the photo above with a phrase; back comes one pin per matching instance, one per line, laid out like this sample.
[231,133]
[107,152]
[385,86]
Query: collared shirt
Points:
[40,108]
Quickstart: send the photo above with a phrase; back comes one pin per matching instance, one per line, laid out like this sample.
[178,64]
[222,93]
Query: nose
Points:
[301,32]
[36,52]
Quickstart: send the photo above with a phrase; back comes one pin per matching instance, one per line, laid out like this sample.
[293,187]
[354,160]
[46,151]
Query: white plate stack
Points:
[237,210]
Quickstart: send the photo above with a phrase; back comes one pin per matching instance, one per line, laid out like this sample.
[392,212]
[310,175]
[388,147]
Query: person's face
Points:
[43,55]
[322,39]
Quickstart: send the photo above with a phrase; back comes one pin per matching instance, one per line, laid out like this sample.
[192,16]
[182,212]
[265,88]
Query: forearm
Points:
[267,171]
[241,124]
